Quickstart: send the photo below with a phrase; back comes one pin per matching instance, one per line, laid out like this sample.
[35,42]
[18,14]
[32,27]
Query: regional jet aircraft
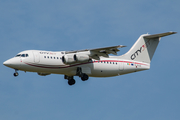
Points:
[90,62]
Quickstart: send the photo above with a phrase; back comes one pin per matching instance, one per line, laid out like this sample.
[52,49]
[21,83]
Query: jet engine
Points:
[81,57]
[75,58]
[68,59]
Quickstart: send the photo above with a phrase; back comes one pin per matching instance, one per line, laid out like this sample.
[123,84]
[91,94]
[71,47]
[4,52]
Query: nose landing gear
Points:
[16,73]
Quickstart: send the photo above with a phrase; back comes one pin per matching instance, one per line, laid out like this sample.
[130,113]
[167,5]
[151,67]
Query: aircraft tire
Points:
[16,74]
[71,82]
[84,77]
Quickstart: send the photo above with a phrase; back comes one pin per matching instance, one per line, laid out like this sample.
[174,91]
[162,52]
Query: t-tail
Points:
[144,48]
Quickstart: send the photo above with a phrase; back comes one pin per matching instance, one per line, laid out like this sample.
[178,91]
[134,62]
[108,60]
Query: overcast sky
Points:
[57,25]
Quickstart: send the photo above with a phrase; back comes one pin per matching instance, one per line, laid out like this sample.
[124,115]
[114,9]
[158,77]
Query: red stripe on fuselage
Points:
[67,66]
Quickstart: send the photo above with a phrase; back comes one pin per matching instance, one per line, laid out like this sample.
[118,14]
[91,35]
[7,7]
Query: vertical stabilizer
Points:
[144,48]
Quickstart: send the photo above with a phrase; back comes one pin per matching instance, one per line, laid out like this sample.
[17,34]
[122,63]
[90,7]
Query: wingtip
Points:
[121,46]
[173,32]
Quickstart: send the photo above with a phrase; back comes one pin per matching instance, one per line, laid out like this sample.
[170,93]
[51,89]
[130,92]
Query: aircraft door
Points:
[121,66]
[36,57]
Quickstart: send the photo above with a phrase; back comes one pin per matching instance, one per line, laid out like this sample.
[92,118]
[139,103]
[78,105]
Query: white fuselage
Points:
[47,62]
[89,62]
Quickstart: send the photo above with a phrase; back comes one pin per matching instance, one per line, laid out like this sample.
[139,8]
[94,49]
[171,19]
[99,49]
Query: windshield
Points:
[18,55]
[22,55]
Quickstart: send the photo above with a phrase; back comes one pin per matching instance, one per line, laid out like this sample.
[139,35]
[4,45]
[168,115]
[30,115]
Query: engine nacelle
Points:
[43,74]
[81,57]
[68,59]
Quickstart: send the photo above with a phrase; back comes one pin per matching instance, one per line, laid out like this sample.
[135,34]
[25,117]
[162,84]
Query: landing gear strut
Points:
[83,76]
[16,73]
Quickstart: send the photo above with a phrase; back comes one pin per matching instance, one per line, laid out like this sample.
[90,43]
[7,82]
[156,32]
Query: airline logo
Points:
[133,56]
[142,48]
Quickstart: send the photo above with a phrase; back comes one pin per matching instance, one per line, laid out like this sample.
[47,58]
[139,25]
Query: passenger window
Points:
[48,57]
[57,57]
[54,57]
[44,56]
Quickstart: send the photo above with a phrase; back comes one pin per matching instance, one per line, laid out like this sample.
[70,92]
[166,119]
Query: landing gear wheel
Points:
[16,74]
[71,82]
[84,77]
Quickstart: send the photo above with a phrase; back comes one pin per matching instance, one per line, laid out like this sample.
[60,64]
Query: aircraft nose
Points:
[7,63]
[12,63]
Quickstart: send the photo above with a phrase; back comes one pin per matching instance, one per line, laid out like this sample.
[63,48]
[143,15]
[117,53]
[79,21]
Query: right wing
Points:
[78,56]
[97,52]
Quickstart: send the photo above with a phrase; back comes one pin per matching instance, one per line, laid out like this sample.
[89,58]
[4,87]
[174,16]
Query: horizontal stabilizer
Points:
[159,35]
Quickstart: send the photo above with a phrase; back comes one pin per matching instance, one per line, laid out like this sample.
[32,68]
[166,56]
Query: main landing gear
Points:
[83,76]
[79,73]
[70,79]
[16,73]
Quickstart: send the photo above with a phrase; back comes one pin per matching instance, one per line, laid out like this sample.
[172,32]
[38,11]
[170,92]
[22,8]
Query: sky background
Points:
[59,25]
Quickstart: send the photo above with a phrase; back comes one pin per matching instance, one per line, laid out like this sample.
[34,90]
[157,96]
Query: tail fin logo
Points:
[133,56]
[142,48]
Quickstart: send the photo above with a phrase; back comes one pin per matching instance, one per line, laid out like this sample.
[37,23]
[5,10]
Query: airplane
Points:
[89,62]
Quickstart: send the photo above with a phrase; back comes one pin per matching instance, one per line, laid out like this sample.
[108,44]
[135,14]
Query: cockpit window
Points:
[18,55]
[22,55]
